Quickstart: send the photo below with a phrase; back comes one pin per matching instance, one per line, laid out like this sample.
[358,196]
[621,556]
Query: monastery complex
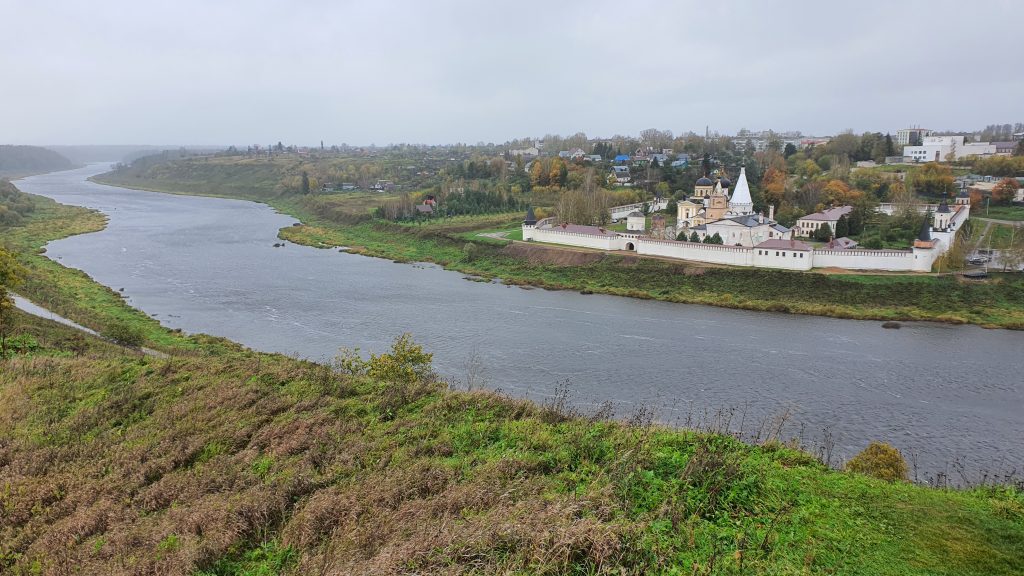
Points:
[755,239]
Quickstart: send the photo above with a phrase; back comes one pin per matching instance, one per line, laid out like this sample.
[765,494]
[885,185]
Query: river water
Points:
[943,393]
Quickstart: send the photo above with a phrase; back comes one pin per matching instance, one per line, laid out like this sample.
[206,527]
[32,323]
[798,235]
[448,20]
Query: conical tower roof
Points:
[741,203]
[926,228]
[741,193]
[530,219]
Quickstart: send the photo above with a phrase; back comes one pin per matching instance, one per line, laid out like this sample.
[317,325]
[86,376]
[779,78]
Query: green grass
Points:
[1000,212]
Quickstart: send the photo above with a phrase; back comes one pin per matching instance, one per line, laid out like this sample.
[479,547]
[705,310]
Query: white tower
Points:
[741,203]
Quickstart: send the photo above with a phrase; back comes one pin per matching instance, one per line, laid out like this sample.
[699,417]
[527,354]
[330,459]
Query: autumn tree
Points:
[1005,191]
[809,169]
[773,186]
[933,179]
[538,175]
[839,193]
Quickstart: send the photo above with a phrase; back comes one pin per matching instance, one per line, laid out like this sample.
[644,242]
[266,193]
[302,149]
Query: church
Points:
[712,210]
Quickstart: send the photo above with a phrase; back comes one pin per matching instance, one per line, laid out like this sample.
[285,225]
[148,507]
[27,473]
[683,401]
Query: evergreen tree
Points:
[305,183]
[694,237]
[716,239]
[843,227]
[823,234]
[682,237]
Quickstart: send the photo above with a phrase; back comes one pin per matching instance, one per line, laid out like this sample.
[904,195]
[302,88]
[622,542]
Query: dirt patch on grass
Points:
[549,255]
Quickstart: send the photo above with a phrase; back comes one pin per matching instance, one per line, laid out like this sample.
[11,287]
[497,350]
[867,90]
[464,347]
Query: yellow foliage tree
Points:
[773,186]
[839,193]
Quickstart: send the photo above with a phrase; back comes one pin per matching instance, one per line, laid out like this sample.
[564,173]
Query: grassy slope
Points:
[227,459]
[223,460]
[999,303]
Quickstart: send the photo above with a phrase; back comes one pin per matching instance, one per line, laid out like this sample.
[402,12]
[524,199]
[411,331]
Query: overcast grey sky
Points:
[259,71]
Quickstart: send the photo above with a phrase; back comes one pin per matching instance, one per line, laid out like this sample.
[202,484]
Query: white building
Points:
[748,230]
[933,149]
[941,148]
[809,224]
[636,221]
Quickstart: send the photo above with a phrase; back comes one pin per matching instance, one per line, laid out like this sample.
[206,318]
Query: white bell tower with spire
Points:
[741,204]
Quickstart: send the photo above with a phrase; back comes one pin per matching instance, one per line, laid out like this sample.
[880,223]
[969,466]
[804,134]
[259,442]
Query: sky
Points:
[218,72]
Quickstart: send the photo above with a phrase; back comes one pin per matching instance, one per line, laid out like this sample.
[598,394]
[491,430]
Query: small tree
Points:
[879,460]
[406,363]
[305,182]
[124,334]
[716,239]
[824,233]
[682,237]
[694,237]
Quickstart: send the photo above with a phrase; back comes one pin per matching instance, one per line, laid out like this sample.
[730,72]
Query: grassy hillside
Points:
[25,160]
[226,461]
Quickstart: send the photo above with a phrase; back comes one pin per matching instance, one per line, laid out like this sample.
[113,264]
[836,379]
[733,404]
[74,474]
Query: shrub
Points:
[124,334]
[470,252]
[879,460]
[407,362]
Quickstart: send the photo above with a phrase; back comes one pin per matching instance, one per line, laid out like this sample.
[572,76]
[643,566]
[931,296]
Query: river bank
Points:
[996,303]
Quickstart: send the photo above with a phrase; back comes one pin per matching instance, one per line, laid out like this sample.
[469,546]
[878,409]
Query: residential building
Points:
[1004,148]
[809,224]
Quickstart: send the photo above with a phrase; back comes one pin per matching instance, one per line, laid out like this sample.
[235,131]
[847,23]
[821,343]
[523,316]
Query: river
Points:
[941,393]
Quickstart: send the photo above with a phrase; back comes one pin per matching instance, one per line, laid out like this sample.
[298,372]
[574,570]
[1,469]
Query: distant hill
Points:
[105,153]
[84,154]
[23,160]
